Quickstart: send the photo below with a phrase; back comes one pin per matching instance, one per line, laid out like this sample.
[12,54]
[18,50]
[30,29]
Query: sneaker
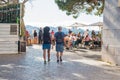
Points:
[57,61]
[67,48]
[44,62]
[60,60]
[48,60]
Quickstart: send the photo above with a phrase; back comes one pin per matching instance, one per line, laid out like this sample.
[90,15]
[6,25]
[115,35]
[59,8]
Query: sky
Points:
[46,12]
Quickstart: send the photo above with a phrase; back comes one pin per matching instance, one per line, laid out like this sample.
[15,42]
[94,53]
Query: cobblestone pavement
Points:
[77,65]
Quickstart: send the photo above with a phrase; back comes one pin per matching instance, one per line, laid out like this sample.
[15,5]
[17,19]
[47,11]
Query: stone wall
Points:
[9,38]
[111,33]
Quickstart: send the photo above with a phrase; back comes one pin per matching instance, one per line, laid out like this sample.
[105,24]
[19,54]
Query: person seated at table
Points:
[87,40]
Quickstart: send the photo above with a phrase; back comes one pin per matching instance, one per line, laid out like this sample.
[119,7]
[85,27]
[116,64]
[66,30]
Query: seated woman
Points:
[79,40]
[87,40]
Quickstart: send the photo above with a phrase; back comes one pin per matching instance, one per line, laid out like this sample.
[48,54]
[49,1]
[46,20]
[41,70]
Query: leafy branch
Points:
[75,7]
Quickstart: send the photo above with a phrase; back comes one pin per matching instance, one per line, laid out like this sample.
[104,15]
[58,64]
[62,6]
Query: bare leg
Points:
[34,40]
[57,56]
[44,55]
[61,53]
[48,55]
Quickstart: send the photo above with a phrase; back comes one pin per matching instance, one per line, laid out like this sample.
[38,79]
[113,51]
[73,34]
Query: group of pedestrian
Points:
[48,40]
[59,39]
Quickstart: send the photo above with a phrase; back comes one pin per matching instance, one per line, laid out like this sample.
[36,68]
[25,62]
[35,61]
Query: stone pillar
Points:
[111,33]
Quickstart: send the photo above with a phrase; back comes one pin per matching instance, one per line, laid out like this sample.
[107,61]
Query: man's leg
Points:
[61,51]
[57,55]
[57,50]
[61,54]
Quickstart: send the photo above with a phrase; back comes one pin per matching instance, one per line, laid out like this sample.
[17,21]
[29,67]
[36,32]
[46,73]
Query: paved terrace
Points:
[77,65]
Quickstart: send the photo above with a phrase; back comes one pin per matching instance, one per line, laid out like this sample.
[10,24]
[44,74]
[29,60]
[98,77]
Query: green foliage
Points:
[9,13]
[75,7]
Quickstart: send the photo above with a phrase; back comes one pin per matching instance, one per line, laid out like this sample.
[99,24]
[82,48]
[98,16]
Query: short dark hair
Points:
[59,28]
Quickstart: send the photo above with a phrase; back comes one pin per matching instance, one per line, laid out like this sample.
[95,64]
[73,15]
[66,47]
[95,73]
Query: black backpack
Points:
[46,36]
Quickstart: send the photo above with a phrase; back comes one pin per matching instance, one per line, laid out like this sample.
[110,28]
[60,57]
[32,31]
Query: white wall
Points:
[111,33]
[8,42]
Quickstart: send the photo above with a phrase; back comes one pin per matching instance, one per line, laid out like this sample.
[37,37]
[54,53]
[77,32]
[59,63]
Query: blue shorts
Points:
[59,47]
[46,46]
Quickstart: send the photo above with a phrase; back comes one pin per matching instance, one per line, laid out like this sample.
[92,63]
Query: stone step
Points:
[4,27]
[8,45]
[8,39]
[8,36]
[4,32]
[8,42]
[12,43]
[8,52]
[9,49]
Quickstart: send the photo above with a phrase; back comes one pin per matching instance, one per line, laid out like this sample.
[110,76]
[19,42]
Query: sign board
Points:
[13,29]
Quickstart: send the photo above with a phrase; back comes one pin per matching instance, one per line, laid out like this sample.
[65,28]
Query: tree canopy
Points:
[75,7]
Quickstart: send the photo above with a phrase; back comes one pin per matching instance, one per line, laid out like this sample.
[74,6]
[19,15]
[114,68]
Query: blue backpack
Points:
[59,38]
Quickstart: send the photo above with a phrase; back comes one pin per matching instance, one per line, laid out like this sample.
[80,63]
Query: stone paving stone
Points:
[76,65]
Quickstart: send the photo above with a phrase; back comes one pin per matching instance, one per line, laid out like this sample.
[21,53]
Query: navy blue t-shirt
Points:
[59,37]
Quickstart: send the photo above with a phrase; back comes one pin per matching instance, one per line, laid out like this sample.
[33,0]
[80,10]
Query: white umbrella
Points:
[96,24]
[77,25]
[99,24]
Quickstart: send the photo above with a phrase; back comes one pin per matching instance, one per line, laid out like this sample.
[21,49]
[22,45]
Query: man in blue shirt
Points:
[59,37]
